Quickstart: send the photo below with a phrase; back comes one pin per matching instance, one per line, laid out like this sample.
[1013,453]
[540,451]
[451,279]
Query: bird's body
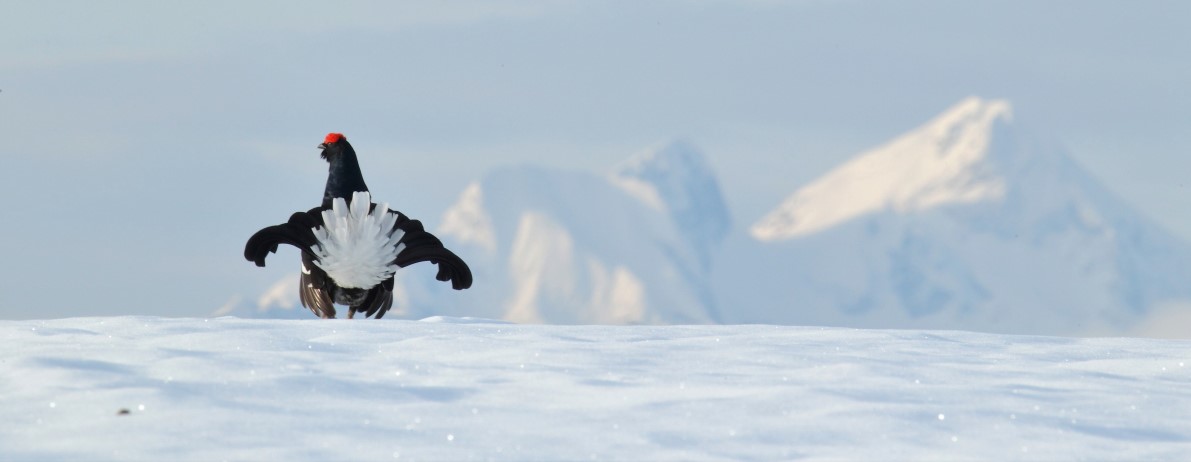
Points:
[351,247]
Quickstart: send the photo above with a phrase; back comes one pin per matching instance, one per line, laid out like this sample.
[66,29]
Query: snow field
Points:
[459,389]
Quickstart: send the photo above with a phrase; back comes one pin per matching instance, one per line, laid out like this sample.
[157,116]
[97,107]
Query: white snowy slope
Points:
[968,222]
[460,389]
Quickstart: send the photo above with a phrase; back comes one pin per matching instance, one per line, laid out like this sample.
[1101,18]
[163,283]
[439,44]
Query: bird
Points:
[351,246]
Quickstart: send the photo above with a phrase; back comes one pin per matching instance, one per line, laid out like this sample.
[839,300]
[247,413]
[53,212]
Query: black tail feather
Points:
[314,294]
[378,303]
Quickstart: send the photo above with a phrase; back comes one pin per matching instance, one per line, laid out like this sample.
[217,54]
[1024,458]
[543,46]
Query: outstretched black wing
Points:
[314,287]
[422,246]
[298,232]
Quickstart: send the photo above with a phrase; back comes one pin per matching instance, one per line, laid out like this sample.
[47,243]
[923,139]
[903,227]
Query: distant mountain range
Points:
[968,222]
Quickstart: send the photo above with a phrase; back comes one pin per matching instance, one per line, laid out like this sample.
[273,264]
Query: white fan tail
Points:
[357,248]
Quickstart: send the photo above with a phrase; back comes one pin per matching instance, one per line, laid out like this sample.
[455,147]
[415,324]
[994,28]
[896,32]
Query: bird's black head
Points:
[334,146]
[343,173]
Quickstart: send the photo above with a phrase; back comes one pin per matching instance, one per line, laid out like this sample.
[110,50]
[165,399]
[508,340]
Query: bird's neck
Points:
[343,179]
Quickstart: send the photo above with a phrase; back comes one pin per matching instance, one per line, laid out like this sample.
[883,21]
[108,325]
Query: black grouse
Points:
[351,246]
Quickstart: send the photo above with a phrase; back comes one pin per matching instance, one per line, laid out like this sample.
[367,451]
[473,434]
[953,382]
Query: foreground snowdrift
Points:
[233,389]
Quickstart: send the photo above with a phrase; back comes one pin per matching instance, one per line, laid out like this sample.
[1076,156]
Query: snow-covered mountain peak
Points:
[946,161]
[970,221]
[468,221]
[560,246]
[971,113]
[665,177]
[677,179]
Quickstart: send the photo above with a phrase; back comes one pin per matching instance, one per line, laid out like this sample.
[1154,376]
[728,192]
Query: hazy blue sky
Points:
[145,141]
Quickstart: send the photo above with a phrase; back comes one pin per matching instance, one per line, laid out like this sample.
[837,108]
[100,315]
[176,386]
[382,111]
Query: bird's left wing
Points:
[422,246]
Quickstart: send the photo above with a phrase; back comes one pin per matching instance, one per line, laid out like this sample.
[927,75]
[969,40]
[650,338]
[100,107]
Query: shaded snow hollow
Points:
[461,389]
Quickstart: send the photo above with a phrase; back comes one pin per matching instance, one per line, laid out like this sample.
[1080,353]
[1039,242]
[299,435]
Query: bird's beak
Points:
[322,146]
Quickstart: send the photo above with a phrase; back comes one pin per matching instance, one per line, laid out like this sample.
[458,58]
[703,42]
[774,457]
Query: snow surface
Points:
[464,389]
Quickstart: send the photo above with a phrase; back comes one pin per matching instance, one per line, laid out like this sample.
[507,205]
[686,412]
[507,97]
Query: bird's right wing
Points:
[298,232]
